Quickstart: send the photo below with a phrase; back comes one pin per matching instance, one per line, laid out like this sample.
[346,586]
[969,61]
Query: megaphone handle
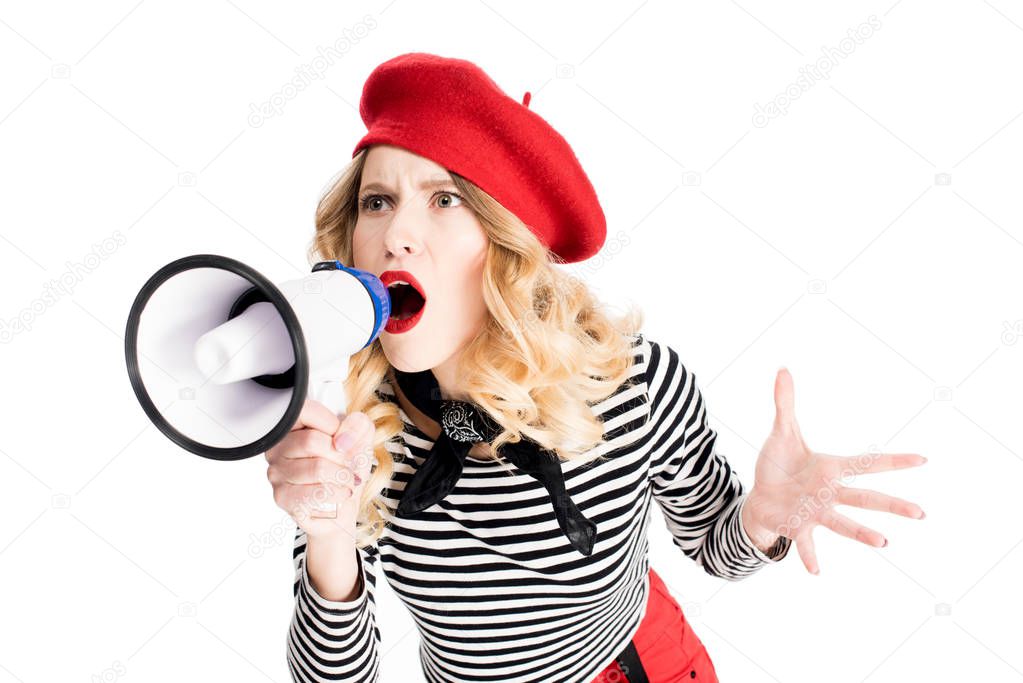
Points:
[330,393]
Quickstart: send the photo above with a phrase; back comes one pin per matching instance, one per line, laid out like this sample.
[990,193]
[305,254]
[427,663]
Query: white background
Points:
[870,239]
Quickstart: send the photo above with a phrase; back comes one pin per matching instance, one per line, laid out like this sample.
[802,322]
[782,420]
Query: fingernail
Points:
[358,479]
[344,441]
[922,515]
[885,544]
[816,572]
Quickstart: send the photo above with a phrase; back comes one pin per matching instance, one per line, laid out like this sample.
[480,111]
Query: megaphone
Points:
[221,359]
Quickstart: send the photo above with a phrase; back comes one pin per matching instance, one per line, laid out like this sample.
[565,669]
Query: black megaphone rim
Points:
[275,297]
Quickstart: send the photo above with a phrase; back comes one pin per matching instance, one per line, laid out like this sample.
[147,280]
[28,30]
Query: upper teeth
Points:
[397,282]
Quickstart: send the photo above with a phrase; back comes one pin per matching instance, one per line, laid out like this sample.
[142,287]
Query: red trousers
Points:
[668,648]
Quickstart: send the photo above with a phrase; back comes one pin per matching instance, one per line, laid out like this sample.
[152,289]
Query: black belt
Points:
[628,661]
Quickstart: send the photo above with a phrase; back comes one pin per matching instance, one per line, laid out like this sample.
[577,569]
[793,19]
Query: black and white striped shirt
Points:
[494,587]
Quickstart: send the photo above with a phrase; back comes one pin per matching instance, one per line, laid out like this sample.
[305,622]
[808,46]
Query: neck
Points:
[446,375]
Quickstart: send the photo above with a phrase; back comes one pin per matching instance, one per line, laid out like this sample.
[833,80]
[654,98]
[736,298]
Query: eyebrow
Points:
[425,185]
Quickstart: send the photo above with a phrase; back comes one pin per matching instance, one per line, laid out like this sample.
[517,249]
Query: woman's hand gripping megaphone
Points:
[322,464]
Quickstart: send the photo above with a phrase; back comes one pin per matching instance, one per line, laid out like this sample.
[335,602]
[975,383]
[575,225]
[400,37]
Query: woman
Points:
[505,435]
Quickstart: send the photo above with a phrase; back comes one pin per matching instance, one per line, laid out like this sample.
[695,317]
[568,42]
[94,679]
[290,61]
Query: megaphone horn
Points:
[222,360]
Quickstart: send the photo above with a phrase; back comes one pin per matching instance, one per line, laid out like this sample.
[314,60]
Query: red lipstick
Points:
[408,300]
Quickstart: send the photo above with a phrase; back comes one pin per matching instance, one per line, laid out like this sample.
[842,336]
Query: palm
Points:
[795,489]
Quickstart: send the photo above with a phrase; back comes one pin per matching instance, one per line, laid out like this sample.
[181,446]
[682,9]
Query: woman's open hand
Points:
[796,489]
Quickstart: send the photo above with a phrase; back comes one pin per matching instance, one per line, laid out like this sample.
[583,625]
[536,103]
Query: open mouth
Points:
[406,300]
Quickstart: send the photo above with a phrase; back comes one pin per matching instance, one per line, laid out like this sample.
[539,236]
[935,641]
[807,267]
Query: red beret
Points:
[449,110]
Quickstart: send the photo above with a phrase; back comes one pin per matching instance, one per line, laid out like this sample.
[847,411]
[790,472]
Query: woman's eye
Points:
[376,202]
[454,199]
[371,202]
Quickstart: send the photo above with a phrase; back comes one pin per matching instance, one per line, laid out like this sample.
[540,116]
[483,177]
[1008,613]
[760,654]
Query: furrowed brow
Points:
[425,185]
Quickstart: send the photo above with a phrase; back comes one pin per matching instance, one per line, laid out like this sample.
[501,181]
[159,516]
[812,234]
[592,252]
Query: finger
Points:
[311,443]
[356,424]
[317,416]
[305,471]
[357,451]
[841,524]
[351,447]
[363,457]
[874,500]
[301,500]
[807,551]
[883,462]
[784,399]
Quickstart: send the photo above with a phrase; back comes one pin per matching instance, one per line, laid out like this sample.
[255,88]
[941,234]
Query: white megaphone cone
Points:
[222,360]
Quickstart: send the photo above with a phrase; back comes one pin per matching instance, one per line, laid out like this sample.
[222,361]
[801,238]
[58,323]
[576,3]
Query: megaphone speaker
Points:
[222,359]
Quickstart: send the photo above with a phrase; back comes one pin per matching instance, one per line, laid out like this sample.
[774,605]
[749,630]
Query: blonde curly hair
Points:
[547,352]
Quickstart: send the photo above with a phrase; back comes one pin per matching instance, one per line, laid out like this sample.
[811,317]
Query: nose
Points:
[402,236]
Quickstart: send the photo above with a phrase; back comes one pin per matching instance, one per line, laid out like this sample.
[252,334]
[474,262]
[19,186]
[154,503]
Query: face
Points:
[414,228]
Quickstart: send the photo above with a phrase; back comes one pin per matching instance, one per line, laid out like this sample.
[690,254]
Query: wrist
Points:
[332,565]
[763,537]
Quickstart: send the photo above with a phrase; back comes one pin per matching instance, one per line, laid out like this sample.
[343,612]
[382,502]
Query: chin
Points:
[399,354]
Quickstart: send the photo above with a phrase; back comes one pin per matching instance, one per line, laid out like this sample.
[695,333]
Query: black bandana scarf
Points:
[463,424]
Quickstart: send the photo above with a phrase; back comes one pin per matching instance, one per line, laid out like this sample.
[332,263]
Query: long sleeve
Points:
[332,640]
[697,490]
